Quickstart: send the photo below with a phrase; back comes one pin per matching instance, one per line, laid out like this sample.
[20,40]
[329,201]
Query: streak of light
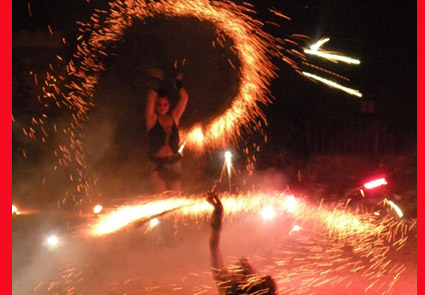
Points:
[180,151]
[314,50]
[375,183]
[228,161]
[395,207]
[338,223]
[333,84]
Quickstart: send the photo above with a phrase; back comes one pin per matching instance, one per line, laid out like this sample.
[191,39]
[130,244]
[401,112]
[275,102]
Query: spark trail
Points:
[327,244]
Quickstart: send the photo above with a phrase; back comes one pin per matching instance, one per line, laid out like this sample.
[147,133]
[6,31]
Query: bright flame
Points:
[337,222]
[333,84]
[126,215]
[268,213]
[228,161]
[14,209]
[375,183]
[97,209]
[52,240]
[154,222]
[290,203]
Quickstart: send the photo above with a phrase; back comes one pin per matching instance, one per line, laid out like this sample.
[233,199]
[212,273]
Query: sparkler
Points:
[228,163]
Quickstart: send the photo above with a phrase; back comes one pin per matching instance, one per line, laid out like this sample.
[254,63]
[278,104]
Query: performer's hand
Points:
[179,76]
[156,73]
[178,83]
[213,199]
[217,214]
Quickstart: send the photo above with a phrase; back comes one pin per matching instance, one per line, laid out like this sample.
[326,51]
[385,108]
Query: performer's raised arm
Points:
[184,98]
[156,79]
[217,263]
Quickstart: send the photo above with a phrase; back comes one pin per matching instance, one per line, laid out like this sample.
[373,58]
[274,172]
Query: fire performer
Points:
[162,125]
[242,279]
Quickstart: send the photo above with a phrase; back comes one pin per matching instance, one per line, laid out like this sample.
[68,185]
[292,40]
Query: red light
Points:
[375,183]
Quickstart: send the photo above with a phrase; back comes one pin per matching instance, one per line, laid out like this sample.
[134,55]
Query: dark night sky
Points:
[382,34]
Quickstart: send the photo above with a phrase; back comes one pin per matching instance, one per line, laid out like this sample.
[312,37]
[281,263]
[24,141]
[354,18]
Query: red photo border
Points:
[420,142]
[6,146]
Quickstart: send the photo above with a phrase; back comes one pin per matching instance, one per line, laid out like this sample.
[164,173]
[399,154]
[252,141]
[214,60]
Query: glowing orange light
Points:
[154,222]
[97,209]
[290,203]
[228,161]
[375,183]
[337,222]
[52,241]
[295,228]
[268,213]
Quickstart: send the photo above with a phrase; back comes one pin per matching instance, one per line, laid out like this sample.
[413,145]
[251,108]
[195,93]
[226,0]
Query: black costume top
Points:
[157,139]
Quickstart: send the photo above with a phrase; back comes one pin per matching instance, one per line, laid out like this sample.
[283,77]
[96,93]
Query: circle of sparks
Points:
[252,45]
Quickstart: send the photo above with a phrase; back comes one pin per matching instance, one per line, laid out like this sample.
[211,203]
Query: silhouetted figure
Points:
[240,279]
